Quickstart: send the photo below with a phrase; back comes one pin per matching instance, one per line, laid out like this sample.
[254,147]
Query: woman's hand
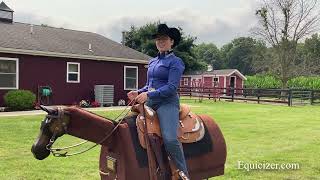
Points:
[132,95]
[141,98]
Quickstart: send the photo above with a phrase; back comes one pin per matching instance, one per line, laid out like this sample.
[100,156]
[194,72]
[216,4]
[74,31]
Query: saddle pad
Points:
[190,150]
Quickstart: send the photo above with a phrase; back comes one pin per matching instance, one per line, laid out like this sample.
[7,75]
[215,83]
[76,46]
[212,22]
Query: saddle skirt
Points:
[191,128]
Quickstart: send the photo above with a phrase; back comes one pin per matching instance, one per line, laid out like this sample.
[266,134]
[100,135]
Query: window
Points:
[199,82]
[73,72]
[185,81]
[6,15]
[215,81]
[9,73]
[130,77]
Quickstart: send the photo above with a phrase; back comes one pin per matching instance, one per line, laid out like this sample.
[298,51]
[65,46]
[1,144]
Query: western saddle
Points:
[191,130]
[191,127]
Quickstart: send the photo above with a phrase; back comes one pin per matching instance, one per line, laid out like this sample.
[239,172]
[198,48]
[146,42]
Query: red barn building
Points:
[70,62]
[224,78]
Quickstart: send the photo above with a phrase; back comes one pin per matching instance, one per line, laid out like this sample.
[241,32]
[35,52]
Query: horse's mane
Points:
[109,119]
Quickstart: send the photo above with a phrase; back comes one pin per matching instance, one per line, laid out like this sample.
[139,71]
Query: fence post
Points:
[311,97]
[289,97]
[258,95]
[232,93]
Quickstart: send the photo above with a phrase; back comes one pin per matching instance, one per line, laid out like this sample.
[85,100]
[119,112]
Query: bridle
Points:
[56,151]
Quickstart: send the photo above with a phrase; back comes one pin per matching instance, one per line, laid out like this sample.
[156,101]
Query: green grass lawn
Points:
[253,133]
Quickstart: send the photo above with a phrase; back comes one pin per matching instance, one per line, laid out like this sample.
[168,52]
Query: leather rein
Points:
[56,151]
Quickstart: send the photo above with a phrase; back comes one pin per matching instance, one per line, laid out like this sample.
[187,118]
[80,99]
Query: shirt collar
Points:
[165,54]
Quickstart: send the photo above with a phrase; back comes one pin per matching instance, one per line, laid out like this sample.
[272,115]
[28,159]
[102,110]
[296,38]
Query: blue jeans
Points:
[168,114]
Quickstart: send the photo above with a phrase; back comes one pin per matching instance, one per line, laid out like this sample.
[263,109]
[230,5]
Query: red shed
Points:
[223,78]
[70,62]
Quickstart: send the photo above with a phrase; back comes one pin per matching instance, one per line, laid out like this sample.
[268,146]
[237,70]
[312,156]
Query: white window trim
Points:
[17,72]
[124,77]
[185,81]
[78,73]
[214,81]
[199,82]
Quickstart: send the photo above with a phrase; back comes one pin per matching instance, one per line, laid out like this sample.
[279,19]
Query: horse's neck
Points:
[89,126]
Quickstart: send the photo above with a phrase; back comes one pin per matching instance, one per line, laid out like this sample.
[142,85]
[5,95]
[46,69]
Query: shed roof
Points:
[220,72]
[4,7]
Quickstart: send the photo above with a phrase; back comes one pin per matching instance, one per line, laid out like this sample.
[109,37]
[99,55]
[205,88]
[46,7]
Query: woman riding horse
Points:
[206,158]
[160,92]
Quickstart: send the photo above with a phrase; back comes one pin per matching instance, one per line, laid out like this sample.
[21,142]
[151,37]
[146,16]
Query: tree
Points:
[243,54]
[311,55]
[282,24]
[210,54]
[141,40]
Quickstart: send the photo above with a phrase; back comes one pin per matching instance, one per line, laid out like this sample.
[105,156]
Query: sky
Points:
[211,21]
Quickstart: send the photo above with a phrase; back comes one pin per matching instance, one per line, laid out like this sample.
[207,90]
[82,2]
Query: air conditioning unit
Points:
[104,94]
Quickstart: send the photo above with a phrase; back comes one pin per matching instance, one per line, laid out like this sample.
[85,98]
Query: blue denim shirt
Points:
[164,73]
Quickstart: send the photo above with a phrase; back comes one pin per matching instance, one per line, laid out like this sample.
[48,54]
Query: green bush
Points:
[305,83]
[17,100]
[262,81]
[268,81]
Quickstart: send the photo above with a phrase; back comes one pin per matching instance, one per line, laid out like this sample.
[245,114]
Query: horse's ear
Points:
[47,109]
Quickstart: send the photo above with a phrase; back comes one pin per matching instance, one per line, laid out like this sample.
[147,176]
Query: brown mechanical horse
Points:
[121,154]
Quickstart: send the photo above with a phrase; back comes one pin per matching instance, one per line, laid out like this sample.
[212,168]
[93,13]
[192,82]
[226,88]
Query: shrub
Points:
[17,100]
[95,104]
[268,81]
[262,81]
[305,83]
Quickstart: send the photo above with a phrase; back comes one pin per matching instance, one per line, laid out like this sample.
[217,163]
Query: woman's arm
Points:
[145,88]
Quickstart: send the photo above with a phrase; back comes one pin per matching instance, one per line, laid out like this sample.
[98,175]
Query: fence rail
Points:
[283,96]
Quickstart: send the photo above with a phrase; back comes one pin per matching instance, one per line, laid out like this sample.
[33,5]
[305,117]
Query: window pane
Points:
[7,66]
[72,77]
[5,15]
[8,80]
[73,67]
[131,84]
[131,72]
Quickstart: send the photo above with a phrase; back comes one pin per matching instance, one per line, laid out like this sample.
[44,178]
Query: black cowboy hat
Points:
[173,33]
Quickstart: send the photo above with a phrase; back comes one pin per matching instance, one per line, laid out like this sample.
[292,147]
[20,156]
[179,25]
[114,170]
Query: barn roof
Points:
[22,38]
[4,7]
[221,72]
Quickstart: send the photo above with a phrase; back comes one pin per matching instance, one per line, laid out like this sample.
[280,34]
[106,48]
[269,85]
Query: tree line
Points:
[285,43]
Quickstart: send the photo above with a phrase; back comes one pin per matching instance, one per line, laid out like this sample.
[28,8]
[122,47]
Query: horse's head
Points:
[53,126]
